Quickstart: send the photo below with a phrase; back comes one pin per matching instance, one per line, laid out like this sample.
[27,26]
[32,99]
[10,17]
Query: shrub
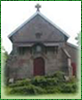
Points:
[58,74]
[44,84]
[22,90]
[39,90]
[73,79]
[30,89]
[55,79]
[69,88]
[52,81]
[39,81]
[20,83]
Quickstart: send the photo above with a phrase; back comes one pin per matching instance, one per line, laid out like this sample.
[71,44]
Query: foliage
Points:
[39,80]
[20,83]
[4,55]
[69,88]
[55,83]
[78,38]
[30,89]
[73,80]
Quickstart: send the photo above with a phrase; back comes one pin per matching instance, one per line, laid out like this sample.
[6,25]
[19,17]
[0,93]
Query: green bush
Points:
[55,79]
[73,79]
[69,88]
[53,89]
[30,89]
[52,81]
[23,90]
[39,81]
[39,90]
[20,83]
[44,84]
[58,74]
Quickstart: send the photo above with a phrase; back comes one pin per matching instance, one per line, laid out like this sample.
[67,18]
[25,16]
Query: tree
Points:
[78,38]
[4,55]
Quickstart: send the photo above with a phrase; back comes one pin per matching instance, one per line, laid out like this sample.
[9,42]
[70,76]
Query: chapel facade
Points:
[40,48]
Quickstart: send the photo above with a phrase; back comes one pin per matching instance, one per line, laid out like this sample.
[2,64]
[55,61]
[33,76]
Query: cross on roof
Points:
[38,7]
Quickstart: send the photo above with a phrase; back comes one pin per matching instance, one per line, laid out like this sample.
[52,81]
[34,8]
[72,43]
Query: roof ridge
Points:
[37,13]
[22,24]
[53,24]
[70,44]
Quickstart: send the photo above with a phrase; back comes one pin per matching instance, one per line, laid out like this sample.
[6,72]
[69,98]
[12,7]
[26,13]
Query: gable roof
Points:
[38,13]
[72,45]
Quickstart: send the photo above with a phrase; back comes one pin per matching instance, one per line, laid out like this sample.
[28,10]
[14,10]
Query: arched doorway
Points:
[39,66]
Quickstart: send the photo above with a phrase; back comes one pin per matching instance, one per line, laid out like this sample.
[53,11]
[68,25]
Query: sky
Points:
[65,14]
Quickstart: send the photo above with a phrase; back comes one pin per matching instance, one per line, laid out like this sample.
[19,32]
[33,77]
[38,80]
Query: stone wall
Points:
[73,51]
[56,62]
[21,66]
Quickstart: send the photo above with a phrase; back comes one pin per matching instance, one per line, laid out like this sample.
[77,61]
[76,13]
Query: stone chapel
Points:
[40,48]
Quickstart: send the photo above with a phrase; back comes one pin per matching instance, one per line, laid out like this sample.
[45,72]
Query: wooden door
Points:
[39,66]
